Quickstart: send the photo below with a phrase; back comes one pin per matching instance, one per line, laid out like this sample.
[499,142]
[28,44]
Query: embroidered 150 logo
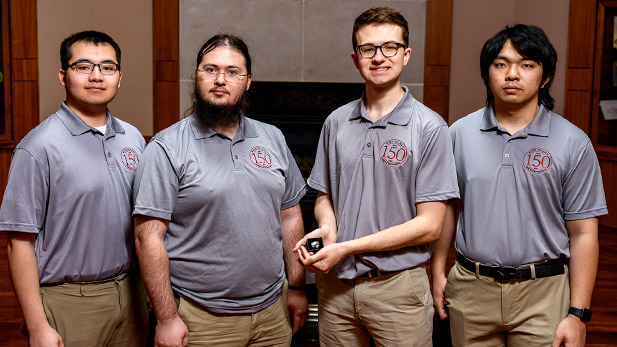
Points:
[260,157]
[537,161]
[393,152]
[130,158]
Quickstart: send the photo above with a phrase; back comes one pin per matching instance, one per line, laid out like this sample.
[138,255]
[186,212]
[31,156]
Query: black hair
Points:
[532,43]
[231,41]
[89,36]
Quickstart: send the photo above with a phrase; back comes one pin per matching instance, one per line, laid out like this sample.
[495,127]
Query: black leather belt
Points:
[376,273]
[510,273]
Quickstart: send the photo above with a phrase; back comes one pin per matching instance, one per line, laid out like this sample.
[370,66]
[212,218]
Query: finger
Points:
[300,243]
[305,255]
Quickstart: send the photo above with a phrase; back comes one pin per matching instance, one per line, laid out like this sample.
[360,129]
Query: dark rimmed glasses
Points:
[86,67]
[388,49]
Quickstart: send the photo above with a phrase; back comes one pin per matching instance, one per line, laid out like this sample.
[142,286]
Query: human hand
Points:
[171,333]
[324,260]
[298,308]
[439,297]
[326,232]
[570,332]
[45,336]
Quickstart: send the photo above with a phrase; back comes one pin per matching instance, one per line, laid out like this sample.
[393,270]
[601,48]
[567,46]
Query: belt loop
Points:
[477,269]
[378,273]
[370,274]
[533,271]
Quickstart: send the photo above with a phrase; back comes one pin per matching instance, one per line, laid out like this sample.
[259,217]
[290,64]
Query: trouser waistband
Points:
[510,273]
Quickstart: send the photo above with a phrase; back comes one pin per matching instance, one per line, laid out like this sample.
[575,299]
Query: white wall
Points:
[129,23]
[475,21]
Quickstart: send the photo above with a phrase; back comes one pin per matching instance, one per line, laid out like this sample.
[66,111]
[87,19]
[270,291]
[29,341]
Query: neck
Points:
[515,117]
[93,115]
[381,101]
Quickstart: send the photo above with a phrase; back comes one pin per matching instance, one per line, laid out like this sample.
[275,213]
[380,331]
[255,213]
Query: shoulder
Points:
[342,113]
[48,131]
[171,135]
[563,127]
[265,129]
[429,118]
[472,121]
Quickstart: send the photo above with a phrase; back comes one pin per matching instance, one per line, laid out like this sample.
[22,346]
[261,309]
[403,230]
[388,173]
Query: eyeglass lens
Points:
[86,68]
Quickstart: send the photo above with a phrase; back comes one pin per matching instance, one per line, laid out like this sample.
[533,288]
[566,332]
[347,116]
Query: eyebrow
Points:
[84,60]
[228,66]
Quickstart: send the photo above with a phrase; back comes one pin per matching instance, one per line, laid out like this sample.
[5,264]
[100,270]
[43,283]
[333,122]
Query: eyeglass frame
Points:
[398,45]
[215,75]
[94,65]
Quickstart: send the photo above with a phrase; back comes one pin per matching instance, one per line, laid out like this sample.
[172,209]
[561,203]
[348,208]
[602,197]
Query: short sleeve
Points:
[436,179]
[583,193]
[25,199]
[156,185]
[295,188]
[320,174]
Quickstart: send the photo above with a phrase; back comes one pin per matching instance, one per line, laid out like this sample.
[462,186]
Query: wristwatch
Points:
[582,313]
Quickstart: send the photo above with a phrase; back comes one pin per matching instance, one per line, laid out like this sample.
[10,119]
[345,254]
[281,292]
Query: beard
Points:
[215,115]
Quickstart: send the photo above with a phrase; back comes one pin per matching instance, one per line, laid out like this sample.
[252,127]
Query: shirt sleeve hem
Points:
[296,199]
[439,197]
[151,212]
[585,214]
[25,228]
[317,186]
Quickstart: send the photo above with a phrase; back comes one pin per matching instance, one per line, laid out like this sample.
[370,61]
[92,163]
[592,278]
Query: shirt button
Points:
[507,156]
[236,156]
[109,154]
[369,144]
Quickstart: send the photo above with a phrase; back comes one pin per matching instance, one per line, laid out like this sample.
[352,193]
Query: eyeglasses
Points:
[86,68]
[231,76]
[388,49]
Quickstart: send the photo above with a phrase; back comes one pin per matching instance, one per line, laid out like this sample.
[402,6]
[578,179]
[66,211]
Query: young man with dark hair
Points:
[384,170]
[217,215]
[527,233]
[67,208]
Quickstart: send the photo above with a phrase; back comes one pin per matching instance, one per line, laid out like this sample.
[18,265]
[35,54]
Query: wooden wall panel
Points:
[438,48]
[609,172]
[166,55]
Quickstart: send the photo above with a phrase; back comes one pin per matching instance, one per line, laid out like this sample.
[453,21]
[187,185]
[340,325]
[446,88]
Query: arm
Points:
[293,230]
[424,228]
[25,276]
[584,253]
[154,266]
[441,249]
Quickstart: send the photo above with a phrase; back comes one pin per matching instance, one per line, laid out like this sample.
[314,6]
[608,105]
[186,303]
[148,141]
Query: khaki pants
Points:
[395,309]
[268,327]
[111,313]
[488,312]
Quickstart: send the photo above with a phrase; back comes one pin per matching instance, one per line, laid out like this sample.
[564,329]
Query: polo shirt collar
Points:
[201,131]
[539,126]
[400,115]
[76,126]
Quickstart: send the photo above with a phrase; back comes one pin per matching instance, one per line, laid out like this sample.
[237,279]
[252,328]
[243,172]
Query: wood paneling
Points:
[166,55]
[438,48]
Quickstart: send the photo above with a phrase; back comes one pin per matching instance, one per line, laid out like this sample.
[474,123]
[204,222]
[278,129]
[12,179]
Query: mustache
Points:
[220,89]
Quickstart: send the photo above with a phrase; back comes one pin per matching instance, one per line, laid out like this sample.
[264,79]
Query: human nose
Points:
[96,73]
[512,73]
[379,54]
[220,78]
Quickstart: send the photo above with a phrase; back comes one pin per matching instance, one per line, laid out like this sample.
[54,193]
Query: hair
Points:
[231,41]
[380,15]
[89,36]
[532,43]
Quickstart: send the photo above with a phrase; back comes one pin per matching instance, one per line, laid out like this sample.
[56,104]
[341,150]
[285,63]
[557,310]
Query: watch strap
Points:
[582,313]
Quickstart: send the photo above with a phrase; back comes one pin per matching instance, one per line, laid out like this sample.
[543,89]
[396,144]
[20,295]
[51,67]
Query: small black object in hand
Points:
[314,244]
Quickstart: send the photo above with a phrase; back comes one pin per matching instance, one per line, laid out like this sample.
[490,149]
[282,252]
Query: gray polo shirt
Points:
[376,173]
[518,190]
[223,199]
[72,185]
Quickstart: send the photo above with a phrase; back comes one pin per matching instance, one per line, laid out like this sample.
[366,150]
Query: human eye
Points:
[233,73]
[210,70]
[83,67]
[108,68]
[367,49]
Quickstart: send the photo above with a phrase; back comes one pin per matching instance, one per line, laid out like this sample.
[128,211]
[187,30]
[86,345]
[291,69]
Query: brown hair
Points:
[380,15]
